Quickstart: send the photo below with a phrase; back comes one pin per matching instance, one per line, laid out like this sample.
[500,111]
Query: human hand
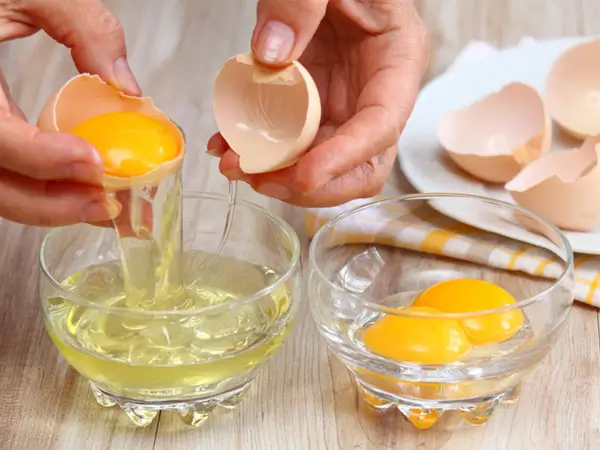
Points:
[367,59]
[54,179]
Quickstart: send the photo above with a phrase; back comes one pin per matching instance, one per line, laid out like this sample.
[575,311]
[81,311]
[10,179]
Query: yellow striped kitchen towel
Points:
[426,230]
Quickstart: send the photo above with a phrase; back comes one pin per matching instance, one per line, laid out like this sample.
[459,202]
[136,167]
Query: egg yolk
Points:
[130,143]
[416,339]
[466,295]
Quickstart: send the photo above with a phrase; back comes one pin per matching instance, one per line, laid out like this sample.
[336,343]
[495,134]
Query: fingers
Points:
[93,34]
[7,105]
[10,30]
[122,223]
[30,163]
[52,203]
[217,145]
[337,153]
[284,28]
[47,156]
[383,108]
[363,181]
[358,140]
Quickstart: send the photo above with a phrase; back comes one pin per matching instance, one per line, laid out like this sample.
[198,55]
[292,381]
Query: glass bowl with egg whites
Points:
[186,353]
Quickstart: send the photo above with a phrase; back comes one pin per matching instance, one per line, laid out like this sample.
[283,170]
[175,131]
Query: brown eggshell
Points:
[86,96]
[573,90]
[268,117]
[563,187]
[496,137]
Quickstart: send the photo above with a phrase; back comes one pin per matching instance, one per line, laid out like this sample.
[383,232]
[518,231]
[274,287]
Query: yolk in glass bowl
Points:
[131,144]
[417,339]
[464,295]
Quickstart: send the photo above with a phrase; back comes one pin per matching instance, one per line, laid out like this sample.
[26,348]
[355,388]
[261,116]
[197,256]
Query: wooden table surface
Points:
[303,399]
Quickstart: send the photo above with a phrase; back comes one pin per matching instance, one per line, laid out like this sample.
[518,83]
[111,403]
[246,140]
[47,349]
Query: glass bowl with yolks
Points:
[433,315]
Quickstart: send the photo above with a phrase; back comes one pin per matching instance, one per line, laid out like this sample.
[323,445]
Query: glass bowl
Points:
[191,357]
[437,316]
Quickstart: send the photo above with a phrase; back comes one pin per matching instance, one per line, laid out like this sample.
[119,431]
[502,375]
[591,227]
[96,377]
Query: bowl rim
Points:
[568,271]
[283,225]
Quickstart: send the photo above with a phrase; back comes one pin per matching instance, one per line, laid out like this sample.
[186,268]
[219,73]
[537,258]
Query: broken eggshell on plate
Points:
[562,187]
[572,91]
[268,117]
[494,138]
[86,96]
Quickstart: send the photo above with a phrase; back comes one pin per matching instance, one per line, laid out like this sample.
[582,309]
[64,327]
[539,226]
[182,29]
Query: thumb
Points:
[93,34]
[284,28]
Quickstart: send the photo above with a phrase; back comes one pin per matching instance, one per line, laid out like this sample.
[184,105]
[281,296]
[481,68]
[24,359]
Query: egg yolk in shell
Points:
[130,143]
[466,295]
[417,339]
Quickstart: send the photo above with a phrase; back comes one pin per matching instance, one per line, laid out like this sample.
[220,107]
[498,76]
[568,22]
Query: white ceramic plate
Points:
[420,153]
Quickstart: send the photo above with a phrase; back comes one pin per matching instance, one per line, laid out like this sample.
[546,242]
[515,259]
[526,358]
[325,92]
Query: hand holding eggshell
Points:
[49,178]
[140,146]
[367,70]
[88,96]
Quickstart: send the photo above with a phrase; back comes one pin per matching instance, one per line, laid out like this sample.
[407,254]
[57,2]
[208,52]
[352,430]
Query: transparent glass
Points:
[456,350]
[190,357]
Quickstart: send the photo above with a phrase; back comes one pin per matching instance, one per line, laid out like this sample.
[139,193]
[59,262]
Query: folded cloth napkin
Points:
[431,232]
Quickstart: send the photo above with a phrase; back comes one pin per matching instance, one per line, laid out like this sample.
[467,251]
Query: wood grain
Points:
[304,398]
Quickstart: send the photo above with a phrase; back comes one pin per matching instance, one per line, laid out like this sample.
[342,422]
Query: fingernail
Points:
[277,191]
[125,77]
[97,158]
[85,172]
[99,211]
[214,152]
[275,42]
[87,155]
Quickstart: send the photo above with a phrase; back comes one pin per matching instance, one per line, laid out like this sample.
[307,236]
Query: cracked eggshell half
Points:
[268,117]
[573,90]
[563,187]
[494,138]
[86,96]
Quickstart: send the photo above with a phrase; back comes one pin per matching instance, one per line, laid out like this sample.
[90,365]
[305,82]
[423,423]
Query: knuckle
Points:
[373,188]
[304,178]
[110,25]
[377,170]
[15,6]
[104,23]
[306,186]
[394,125]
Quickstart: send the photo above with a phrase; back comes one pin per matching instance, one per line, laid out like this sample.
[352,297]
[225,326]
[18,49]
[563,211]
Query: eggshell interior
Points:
[86,96]
[495,137]
[268,117]
[573,90]
[563,187]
